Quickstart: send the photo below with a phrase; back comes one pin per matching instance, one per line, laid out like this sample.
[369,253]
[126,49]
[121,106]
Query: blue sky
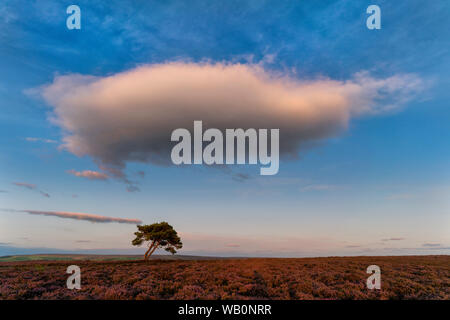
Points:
[385,176]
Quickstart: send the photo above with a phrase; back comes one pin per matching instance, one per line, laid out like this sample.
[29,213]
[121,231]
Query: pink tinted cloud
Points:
[89,174]
[232,245]
[129,116]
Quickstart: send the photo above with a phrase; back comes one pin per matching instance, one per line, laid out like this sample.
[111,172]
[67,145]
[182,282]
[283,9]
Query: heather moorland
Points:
[406,277]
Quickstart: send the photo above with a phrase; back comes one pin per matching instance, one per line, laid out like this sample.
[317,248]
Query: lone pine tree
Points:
[158,235]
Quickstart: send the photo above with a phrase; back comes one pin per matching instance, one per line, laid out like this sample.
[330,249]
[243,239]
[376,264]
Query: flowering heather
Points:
[412,277]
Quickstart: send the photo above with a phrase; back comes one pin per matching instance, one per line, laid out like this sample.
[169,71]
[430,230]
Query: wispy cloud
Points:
[45,194]
[319,187]
[431,245]
[25,185]
[241,177]
[133,188]
[31,186]
[78,216]
[141,174]
[116,173]
[392,239]
[33,139]
[400,196]
[274,181]
[89,174]
[232,245]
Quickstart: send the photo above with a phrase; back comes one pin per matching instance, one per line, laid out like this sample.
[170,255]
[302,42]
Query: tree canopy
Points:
[158,235]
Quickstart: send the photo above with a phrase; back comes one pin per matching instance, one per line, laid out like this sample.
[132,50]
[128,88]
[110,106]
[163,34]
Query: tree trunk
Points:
[153,250]
[146,256]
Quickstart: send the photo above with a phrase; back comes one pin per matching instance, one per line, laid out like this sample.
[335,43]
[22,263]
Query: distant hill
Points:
[97,257]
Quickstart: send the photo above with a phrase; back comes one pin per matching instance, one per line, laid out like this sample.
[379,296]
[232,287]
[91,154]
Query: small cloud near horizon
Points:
[393,239]
[432,245]
[232,245]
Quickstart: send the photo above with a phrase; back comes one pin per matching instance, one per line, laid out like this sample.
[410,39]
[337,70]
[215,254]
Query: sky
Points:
[363,114]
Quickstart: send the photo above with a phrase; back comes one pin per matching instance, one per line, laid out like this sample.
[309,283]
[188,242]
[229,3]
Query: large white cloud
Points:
[129,116]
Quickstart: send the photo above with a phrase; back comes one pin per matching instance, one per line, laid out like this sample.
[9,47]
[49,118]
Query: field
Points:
[409,277]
